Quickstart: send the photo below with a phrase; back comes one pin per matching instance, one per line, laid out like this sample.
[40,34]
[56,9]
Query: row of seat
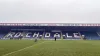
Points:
[69,35]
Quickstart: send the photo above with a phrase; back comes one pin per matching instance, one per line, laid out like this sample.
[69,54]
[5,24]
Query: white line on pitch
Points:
[22,49]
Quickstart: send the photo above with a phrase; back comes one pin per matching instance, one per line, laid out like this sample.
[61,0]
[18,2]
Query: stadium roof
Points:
[49,24]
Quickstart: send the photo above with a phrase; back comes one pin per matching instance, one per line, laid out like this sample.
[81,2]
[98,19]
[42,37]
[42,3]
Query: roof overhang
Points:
[49,24]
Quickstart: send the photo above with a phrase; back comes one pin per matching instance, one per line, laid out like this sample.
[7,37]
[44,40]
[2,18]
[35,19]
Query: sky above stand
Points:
[49,11]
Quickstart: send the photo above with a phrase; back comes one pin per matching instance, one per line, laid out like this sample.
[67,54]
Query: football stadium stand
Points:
[75,31]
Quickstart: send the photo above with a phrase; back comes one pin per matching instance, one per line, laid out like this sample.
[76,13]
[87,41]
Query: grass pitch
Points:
[49,48]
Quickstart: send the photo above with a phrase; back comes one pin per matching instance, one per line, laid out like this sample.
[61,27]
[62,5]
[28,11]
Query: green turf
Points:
[50,48]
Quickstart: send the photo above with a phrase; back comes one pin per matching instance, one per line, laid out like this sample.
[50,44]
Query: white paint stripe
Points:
[22,49]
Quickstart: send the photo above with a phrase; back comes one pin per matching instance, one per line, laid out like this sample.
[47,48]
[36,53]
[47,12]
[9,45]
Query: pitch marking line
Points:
[22,49]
